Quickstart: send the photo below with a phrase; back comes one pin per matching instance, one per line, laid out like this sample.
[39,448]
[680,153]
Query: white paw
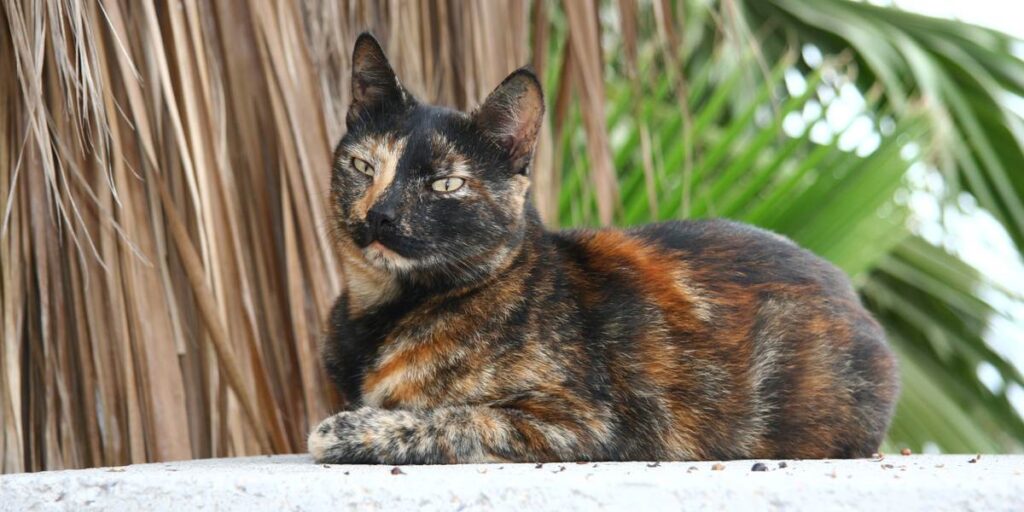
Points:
[322,438]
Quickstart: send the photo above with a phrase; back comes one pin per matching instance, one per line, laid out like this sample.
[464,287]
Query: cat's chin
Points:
[380,256]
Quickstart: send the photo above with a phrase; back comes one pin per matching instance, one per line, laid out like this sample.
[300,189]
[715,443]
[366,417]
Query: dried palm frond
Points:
[166,266]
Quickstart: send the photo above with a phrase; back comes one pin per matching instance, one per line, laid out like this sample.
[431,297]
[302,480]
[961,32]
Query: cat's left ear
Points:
[511,116]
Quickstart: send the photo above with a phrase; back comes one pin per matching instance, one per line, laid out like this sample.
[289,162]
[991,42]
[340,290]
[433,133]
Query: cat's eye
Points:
[449,184]
[362,166]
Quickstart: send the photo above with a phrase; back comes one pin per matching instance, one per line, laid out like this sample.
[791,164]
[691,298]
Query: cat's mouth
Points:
[386,250]
[382,256]
[377,247]
[376,241]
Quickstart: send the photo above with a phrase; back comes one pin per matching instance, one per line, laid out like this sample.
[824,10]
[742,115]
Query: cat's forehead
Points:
[431,146]
[425,135]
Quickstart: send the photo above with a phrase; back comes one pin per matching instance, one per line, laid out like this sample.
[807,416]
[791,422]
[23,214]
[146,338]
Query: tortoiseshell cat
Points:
[469,333]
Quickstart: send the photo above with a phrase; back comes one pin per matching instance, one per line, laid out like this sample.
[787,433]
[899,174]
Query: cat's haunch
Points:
[469,333]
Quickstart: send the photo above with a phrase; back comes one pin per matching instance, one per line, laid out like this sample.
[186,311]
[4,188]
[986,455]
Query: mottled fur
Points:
[469,333]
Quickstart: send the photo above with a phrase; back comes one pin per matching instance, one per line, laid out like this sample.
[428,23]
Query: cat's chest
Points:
[422,355]
[418,371]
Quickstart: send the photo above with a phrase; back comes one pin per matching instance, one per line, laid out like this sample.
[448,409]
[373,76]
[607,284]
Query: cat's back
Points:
[720,253]
[732,252]
[806,359]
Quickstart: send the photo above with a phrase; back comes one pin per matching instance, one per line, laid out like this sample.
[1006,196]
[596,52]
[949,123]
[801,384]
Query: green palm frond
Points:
[964,73]
[929,303]
[748,134]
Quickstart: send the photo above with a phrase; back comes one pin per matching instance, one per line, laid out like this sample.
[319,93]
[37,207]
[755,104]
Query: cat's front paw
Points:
[322,439]
[336,440]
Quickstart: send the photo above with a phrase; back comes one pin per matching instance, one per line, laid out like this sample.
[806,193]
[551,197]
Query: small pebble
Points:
[905,451]
[783,465]
[539,465]
[656,464]
[718,466]
[397,471]
[758,466]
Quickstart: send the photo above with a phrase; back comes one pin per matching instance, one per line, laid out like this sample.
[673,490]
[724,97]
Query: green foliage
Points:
[727,137]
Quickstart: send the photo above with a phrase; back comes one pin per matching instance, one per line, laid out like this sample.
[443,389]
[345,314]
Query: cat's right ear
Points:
[374,83]
[511,117]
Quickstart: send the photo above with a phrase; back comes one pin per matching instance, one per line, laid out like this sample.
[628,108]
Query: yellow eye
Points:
[362,166]
[449,184]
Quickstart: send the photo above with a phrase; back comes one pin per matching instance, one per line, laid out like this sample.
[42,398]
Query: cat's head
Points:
[418,188]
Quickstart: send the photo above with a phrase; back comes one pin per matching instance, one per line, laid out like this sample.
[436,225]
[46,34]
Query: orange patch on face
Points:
[382,154]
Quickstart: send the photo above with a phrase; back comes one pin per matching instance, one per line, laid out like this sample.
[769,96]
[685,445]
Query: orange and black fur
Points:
[469,333]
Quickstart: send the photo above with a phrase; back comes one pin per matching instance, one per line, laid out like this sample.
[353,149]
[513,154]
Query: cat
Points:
[468,333]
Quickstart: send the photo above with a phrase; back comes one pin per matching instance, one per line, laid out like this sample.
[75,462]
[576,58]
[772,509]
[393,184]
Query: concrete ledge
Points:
[294,482]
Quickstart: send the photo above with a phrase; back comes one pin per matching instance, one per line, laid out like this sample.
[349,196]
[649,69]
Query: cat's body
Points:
[684,340]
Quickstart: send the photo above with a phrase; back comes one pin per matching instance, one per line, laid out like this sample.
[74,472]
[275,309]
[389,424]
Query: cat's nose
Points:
[380,217]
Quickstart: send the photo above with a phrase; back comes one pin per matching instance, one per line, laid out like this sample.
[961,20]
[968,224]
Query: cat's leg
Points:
[467,434]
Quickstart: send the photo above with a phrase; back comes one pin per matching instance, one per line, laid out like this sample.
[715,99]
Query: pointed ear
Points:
[511,116]
[374,84]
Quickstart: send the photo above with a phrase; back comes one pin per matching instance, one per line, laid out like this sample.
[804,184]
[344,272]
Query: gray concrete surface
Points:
[294,482]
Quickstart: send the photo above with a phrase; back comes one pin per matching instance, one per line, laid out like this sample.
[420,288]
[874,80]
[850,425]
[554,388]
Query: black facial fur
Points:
[410,145]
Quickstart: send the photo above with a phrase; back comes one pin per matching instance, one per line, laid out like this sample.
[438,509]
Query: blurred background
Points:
[164,164]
